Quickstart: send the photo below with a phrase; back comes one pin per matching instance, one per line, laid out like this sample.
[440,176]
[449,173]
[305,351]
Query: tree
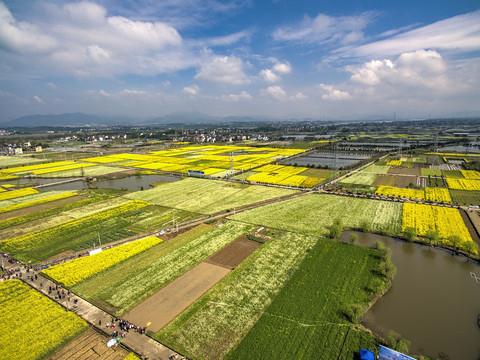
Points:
[353,238]
[395,341]
[455,240]
[410,234]
[366,226]
[336,229]
[471,248]
[431,237]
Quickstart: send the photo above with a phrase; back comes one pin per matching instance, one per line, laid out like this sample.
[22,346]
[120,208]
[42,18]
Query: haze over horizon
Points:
[145,58]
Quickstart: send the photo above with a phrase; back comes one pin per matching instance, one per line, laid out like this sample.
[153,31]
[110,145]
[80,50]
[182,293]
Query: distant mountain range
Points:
[87,120]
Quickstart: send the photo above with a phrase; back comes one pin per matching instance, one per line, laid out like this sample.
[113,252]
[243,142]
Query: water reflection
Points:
[433,302]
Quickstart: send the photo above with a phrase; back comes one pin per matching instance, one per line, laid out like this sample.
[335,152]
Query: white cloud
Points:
[79,38]
[225,40]
[324,29]
[23,37]
[269,76]
[223,69]
[458,34]
[420,69]
[275,91]
[38,100]
[237,97]
[333,94]
[191,90]
[300,96]
[282,68]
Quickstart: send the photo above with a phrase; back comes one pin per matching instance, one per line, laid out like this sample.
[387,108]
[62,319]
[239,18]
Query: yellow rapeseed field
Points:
[32,324]
[75,271]
[445,221]
[400,192]
[36,202]
[463,184]
[17,193]
[395,163]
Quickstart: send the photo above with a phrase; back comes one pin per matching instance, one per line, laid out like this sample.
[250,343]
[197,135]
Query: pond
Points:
[434,302]
[460,149]
[136,182]
[131,183]
[327,159]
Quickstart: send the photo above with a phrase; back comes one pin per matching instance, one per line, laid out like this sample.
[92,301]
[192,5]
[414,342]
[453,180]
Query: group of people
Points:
[123,325]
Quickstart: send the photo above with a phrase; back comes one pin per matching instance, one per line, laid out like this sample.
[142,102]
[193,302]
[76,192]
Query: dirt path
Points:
[162,307]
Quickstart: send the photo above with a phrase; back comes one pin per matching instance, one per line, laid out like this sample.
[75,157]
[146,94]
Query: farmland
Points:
[111,224]
[164,266]
[465,197]
[207,196]
[292,297]
[217,322]
[312,214]
[446,222]
[41,324]
[75,271]
[307,318]
[362,178]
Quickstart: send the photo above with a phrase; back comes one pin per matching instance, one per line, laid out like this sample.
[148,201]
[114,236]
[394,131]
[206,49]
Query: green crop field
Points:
[465,197]
[114,223]
[308,317]
[165,263]
[19,160]
[377,169]
[218,321]
[453,174]
[207,196]
[431,172]
[362,178]
[48,212]
[312,214]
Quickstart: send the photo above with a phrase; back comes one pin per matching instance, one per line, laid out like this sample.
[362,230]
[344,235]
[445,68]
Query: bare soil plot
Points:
[163,306]
[404,171]
[36,208]
[90,345]
[234,253]
[385,180]
[405,181]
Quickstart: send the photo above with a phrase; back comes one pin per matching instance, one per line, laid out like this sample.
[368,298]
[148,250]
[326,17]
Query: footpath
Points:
[139,343]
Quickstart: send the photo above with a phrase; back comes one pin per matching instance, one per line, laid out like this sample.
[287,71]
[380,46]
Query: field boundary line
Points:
[278,316]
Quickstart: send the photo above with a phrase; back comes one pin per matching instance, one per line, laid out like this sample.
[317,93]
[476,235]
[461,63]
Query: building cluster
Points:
[19,148]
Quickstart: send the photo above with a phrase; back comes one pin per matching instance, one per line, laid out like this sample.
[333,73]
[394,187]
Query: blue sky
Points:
[328,60]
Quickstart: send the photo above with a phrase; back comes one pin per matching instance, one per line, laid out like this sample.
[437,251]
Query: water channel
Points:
[434,302]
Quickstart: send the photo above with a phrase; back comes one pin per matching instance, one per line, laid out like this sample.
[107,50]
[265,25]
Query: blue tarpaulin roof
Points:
[366,355]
